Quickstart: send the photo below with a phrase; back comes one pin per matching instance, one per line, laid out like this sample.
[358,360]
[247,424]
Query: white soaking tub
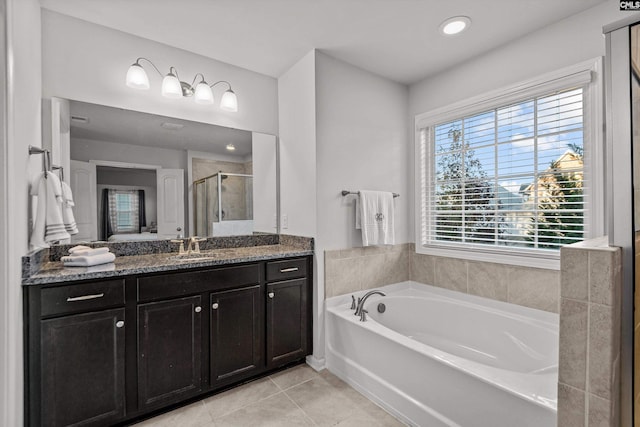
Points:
[436,357]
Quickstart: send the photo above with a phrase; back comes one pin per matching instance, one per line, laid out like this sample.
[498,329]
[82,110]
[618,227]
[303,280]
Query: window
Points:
[509,177]
[126,211]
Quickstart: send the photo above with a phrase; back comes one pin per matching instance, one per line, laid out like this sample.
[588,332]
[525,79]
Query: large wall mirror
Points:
[139,176]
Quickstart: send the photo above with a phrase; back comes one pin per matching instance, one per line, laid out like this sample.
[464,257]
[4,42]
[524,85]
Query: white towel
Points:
[78,248]
[87,261]
[88,251]
[67,212]
[48,226]
[376,218]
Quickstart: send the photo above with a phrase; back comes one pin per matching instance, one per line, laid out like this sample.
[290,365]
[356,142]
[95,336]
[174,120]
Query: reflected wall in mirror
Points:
[139,176]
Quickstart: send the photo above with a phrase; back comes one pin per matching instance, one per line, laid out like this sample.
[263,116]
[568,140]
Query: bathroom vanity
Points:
[104,348]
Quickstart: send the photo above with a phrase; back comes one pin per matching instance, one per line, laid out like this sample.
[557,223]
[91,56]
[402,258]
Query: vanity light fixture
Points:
[173,87]
[455,25]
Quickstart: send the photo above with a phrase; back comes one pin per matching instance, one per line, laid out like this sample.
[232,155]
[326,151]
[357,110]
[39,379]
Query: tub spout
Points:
[362,300]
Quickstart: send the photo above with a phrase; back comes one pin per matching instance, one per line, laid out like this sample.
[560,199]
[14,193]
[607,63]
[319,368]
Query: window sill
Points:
[533,260]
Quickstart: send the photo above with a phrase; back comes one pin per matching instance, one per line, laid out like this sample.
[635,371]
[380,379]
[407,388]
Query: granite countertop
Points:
[56,272]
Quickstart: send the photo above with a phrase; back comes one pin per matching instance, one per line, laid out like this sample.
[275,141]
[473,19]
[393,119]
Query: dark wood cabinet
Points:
[287,317]
[83,369]
[237,333]
[187,334]
[169,350]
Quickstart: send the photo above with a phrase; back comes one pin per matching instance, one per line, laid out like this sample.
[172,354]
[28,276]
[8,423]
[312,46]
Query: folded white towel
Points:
[78,248]
[377,218]
[48,225]
[87,261]
[67,212]
[89,251]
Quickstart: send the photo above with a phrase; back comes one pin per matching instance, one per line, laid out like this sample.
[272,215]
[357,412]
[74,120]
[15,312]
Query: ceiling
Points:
[135,128]
[397,39]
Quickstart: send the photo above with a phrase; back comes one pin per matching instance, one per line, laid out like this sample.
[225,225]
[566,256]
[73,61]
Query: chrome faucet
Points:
[360,311]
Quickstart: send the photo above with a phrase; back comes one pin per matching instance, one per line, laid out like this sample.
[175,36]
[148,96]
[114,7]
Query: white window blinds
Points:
[511,176]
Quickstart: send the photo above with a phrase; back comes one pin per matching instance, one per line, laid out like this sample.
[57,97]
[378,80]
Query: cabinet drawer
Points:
[189,283]
[286,269]
[82,297]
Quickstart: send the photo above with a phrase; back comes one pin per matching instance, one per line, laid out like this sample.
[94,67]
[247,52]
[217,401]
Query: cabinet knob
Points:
[119,323]
[198,309]
[215,306]
[271,294]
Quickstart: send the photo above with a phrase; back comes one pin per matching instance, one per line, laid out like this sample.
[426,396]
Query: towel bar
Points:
[347,192]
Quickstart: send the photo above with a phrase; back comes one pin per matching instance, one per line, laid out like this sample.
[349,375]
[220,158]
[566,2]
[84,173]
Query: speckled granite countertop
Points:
[55,271]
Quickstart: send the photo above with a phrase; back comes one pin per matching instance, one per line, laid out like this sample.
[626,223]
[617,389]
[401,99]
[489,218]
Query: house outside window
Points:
[513,176]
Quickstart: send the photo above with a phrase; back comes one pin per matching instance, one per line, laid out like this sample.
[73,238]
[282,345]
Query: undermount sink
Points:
[193,257]
[204,255]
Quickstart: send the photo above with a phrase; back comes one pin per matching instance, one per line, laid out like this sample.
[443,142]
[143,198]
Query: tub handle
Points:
[353,302]
[363,315]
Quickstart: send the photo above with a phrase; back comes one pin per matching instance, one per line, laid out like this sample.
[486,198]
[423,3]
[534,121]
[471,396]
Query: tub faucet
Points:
[360,311]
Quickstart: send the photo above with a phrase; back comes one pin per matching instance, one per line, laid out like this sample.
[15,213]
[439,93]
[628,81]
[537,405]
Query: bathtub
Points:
[436,357]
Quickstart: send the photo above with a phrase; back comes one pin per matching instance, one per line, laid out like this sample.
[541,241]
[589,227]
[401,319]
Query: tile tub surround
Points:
[36,260]
[296,396]
[352,270]
[356,269]
[590,306]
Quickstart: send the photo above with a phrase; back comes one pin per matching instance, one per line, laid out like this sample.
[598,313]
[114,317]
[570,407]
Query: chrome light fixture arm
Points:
[173,87]
[152,64]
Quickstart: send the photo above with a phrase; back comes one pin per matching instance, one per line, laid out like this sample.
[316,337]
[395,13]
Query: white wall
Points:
[88,62]
[297,105]
[263,153]
[567,42]
[362,143]
[23,92]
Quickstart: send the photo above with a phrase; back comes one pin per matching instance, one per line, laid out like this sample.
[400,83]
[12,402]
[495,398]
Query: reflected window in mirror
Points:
[124,211]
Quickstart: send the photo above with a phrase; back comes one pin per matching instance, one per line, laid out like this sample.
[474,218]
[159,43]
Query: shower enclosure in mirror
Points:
[223,204]
[108,151]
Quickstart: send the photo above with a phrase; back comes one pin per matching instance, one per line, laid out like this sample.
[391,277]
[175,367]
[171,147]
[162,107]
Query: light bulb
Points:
[455,25]
[171,86]
[137,78]
[229,101]
[204,94]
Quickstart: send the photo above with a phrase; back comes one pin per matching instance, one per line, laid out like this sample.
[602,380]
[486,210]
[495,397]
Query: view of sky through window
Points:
[512,175]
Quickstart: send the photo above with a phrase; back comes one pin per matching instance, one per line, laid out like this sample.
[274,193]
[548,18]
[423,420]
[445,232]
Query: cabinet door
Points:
[83,369]
[286,321]
[169,350]
[236,334]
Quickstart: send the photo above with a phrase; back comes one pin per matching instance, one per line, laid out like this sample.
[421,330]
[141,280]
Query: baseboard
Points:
[316,363]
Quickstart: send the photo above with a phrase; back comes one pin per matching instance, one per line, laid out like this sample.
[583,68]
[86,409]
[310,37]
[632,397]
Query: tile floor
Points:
[298,396]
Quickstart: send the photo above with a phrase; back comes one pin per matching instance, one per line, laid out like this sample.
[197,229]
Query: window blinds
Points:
[507,176]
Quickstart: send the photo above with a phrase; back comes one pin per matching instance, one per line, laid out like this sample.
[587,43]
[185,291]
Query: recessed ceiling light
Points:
[172,126]
[231,147]
[455,25]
